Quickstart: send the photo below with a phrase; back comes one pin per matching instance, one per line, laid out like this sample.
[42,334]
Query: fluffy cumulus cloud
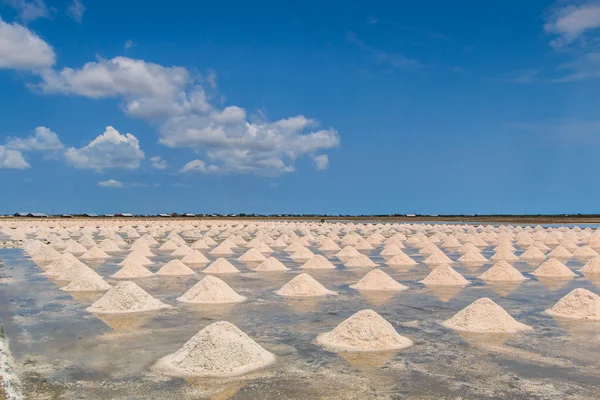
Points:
[158,162]
[22,49]
[108,150]
[182,107]
[12,159]
[198,167]
[321,162]
[111,183]
[570,22]
[29,10]
[43,139]
[76,10]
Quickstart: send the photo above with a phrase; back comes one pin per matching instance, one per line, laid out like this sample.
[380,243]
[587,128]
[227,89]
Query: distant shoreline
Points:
[515,219]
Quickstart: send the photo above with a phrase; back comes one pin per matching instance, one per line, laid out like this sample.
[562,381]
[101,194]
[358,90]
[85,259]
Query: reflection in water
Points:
[445,293]
[86,298]
[554,284]
[367,361]
[377,297]
[579,328]
[125,322]
[504,288]
[483,340]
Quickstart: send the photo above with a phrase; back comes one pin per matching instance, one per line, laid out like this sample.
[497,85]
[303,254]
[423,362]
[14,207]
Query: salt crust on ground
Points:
[364,331]
[219,350]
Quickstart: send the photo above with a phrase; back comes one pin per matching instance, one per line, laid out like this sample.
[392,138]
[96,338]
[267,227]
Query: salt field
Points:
[246,309]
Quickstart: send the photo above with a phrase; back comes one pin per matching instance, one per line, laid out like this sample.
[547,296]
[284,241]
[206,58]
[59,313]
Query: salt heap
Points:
[473,256]
[437,258]
[195,257]
[65,264]
[136,257]
[223,250]
[502,272]
[380,281]
[271,264]
[219,350]
[553,269]
[504,253]
[302,254]
[74,247]
[252,255]
[86,280]
[391,250]
[484,316]
[318,262]
[132,269]
[401,260]
[560,252]
[211,290]
[303,285]
[221,266]
[585,251]
[444,275]
[533,253]
[94,253]
[364,331]
[347,252]
[126,297]
[360,261]
[579,304]
[175,268]
[592,266]
[183,250]
[108,245]
[329,245]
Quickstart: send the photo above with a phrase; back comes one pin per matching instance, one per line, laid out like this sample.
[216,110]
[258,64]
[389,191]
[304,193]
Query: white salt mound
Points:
[318,262]
[211,290]
[252,255]
[444,275]
[195,257]
[364,331]
[592,266]
[126,297]
[560,252]
[347,252]
[473,256]
[86,280]
[175,268]
[219,350]
[553,269]
[437,258]
[360,261]
[579,304]
[401,260]
[94,253]
[484,316]
[271,264]
[132,270]
[533,253]
[221,266]
[380,281]
[502,272]
[303,285]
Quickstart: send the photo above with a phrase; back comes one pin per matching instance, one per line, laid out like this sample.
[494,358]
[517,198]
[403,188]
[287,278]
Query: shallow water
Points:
[64,352]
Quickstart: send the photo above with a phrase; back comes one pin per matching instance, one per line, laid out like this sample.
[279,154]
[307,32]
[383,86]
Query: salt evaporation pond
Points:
[63,352]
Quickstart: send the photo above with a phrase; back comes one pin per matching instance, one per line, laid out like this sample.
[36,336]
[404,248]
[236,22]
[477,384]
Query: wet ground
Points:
[63,352]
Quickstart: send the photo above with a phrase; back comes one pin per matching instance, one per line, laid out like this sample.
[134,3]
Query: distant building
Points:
[66,216]
[127,215]
[90,215]
[189,215]
[411,215]
[164,215]
[109,215]
[31,215]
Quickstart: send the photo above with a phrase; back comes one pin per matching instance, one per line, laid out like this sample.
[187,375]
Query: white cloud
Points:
[177,102]
[29,10]
[570,22]
[321,162]
[42,140]
[108,150]
[158,163]
[198,166]
[22,49]
[76,10]
[129,44]
[12,159]
[111,183]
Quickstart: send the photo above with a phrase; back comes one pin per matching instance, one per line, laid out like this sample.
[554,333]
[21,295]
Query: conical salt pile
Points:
[183,250]
[200,244]
[484,316]
[211,290]
[74,247]
[437,258]
[553,269]
[132,270]
[504,253]
[108,246]
[303,285]
[175,268]
[364,331]
[126,297]
[136,257]
[195,257]
[347,252]
[533,253]
[252,255]
[360,261]
[560,252]
[444,275]
[318,262]
[219,350]
[94,253]
[579,304]
[391,250]
[380,281]
[401,260]
[67,262]
[223,250]
[329,245]
[302,254]
[271,264]
[584,252]
[221,266]
[473,256]
[502,272]
[86,280]
[170,245]
[592,266]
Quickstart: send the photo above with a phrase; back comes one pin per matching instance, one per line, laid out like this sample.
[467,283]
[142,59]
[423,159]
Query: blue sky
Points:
[332,107]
